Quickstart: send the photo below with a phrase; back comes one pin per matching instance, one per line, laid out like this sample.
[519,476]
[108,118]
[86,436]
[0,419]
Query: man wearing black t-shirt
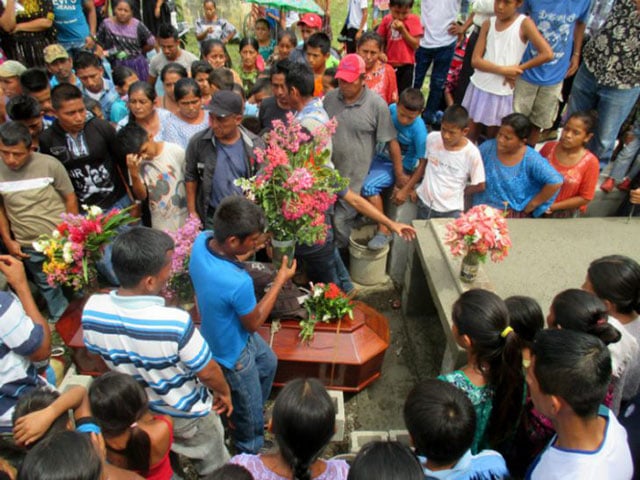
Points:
[86,148]
[277,106]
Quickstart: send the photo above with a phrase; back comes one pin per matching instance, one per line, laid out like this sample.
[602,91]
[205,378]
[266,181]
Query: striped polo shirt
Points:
[158,345]
[19,338]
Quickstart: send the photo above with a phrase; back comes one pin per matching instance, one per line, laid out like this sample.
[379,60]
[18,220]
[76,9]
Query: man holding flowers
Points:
[35,191]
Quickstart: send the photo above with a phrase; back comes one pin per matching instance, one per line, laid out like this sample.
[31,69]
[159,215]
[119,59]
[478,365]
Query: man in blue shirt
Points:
[231,316]
[75,23]
[90,72]
[538,90]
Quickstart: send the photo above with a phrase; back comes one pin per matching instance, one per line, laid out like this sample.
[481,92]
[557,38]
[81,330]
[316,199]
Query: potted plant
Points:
[480,232]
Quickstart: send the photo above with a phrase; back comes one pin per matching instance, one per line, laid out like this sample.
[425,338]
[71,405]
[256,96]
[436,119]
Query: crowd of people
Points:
[114,112]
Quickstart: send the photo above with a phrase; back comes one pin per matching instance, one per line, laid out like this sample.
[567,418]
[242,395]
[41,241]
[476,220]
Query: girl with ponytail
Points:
[303,423]
[493,378]
[135,438]
[615,279]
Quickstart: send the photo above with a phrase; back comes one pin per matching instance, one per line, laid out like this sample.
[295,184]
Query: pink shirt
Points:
[398,50]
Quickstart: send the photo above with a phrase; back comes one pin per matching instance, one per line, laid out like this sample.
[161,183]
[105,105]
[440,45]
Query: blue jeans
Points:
[343,279]
[56,301]
[441,58]
[627,162]
[250,382]
[426,213]
[612,104]
[104,265]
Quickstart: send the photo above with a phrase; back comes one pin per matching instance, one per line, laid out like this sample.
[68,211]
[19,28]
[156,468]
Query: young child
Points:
[252,63]
[627,164]
[156,170]
[266,42]
[568,380]
[534,430]
[453,168]
[135,438]
[385,461]
[582,311]
[287,41]
[538,91]
[329,81]
[316,49]
[496,58]
[411,135]
[492,377]
[442,423]
[615,279]
[302,423]
[579,167]
[526,319]
[401,31]
[93,107]
[123,78]
[200,72]
[43,412]
[380,10]
[212,26]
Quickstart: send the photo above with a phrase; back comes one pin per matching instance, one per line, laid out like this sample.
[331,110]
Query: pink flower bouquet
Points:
[295,187]
[76,245]
[481,231]
[179,286]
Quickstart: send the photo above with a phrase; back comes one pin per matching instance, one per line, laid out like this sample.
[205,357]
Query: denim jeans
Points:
[343,278]
[441,58]
[426,213]
[250,382]
[612,104]
[56,301]
[104,265]
[627,162]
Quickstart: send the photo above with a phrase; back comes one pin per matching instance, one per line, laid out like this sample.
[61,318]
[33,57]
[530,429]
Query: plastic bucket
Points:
[367,267]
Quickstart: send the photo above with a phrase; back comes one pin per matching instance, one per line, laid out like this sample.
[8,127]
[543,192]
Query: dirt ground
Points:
[379,406]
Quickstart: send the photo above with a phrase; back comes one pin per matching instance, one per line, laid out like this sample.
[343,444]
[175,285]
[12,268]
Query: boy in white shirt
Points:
[568,379]
[453,168]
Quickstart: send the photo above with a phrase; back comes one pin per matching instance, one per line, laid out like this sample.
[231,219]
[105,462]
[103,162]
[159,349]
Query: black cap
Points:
[225,103]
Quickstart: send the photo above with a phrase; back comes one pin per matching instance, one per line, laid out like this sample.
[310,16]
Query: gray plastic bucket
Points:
[367,267]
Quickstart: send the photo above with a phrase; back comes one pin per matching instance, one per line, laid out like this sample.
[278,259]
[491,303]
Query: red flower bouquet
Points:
[326,302]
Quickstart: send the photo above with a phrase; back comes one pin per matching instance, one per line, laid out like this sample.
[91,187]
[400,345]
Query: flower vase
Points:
[282,248]
[469,267]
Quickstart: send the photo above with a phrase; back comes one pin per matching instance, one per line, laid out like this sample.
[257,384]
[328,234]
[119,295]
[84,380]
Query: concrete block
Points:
[400,249]
[338,402]
[401,436]
[72,378]
[359,438]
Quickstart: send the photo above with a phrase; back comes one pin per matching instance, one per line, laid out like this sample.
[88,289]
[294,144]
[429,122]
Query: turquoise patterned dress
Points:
[482,399]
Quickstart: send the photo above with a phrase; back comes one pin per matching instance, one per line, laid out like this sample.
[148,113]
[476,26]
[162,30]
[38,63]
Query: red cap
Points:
[311,20]
[350,68]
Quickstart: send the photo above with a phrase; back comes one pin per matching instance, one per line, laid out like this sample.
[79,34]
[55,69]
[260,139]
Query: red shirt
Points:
[580,180]
[398,50]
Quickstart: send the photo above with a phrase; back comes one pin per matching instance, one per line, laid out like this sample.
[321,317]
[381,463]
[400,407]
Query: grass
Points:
[338,12]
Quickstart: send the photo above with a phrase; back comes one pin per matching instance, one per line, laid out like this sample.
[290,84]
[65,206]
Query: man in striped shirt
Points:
[135,333]
[24,339]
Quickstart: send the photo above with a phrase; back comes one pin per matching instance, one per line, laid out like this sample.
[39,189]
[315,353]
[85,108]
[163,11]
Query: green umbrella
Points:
[306,6]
